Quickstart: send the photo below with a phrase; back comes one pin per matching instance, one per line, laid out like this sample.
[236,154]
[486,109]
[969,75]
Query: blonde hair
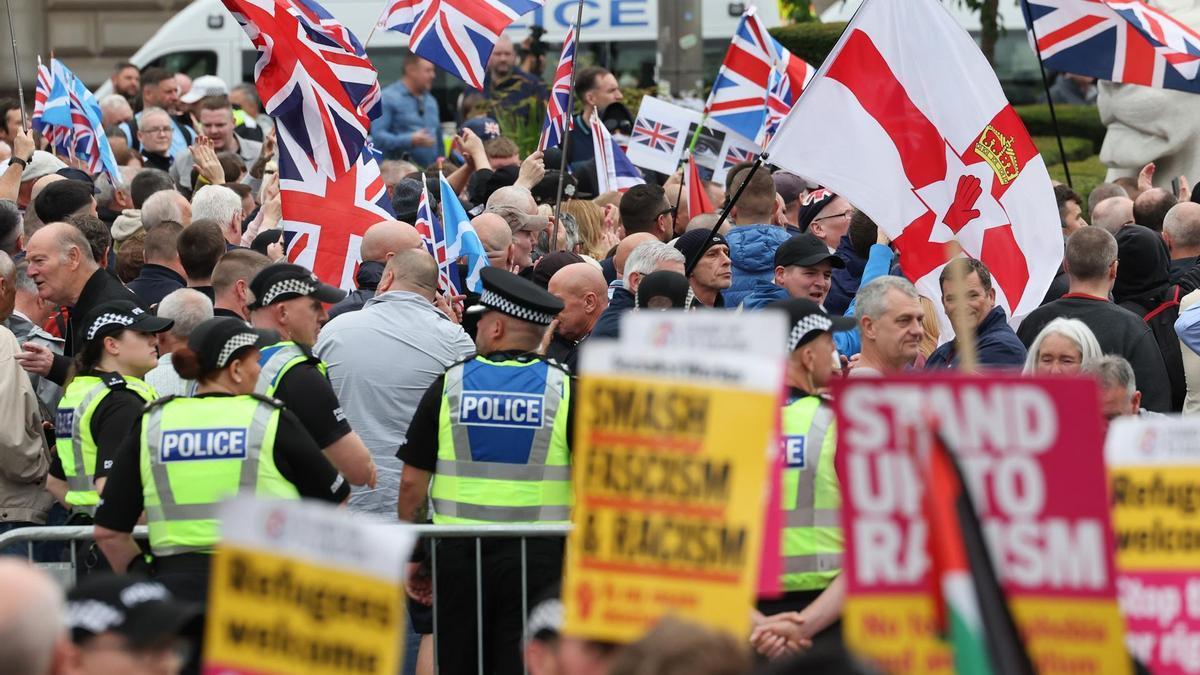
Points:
[589,219]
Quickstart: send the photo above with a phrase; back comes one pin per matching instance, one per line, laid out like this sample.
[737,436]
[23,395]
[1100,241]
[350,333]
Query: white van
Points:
[204,38]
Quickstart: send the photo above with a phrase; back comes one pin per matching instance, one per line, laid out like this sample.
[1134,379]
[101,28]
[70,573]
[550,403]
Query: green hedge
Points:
[1080,121]
[1085,175]
[810,41]
[1076,149]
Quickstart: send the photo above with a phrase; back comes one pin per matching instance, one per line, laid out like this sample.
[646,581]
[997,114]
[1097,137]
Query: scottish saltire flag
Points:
[1122,41]
[314,78]
[461,239]
[654,135]
[557,116]
[614,171]
[68,115]
[328,216]
[456,35]
[434,236]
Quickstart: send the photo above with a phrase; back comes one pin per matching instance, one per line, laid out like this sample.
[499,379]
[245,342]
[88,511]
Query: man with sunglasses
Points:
[644,208]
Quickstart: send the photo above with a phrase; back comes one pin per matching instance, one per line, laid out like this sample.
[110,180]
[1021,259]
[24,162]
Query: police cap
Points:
[285,281]
[519,298]
[112,317]
[806,320]
[219,340]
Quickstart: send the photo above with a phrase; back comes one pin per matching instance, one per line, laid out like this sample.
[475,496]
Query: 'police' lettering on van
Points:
[501,409]
[192,444]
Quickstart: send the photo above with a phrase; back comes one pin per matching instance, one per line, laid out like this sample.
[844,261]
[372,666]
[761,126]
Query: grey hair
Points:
[33,622]
[1112,370]
[23,282]
[1090,252]
[115,102]
[512,195]
[155,111]
[8,269]
[872,298]
[1183,231]
[217,203]
[161,206]
[108,190]
[646,258]
[188,308]
[249,90]
[1072,329]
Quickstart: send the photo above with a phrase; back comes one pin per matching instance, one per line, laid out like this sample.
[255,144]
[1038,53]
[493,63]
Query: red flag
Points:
[697,196]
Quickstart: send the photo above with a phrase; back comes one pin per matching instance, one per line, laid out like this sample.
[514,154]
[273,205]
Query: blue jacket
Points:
[402,113]
[752,250]
[762,294]
[996,345]
[154,283]
[846,281]
[608,325]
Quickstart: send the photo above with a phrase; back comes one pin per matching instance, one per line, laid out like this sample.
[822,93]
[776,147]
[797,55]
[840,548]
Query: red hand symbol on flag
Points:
[962,210]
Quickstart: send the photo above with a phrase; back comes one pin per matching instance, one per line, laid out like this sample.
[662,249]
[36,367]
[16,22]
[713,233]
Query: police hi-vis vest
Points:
[503,452]
[196,452]
[73,441]
[812,533]
[277,360]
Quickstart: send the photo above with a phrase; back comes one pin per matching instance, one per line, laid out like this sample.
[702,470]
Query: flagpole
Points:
[691,264]
[1062,152]
[569,116]
[12,32]
[374,26]
[679,193]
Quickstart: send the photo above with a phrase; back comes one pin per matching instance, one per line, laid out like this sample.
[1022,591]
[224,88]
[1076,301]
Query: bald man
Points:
[1181,232]
[383,358]
[32,617]
[1113,213]
[496,235]
[584,294]
[380,242]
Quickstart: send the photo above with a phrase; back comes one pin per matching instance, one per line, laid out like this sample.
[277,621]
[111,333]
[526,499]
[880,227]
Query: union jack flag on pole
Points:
[67,114]
[456,35]
[434,236]
[314,78]
[558,117]
[1123,41]
[52,107]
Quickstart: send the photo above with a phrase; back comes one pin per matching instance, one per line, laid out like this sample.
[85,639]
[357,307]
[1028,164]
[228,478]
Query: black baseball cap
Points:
[110,318]
[285,281]
[141,610]
[519,298]
[219,340]
[805,250]
[806,320]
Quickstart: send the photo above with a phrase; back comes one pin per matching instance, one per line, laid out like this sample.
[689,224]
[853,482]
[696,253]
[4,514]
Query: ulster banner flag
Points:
[906,120]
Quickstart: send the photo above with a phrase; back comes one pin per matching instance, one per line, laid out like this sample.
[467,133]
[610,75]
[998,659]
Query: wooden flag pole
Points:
[12,32]
[569,112]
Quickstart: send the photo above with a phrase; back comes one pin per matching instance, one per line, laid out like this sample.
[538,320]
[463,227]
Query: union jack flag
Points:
[328,216]
[614,171]
[789,77]
[737,155]
[314,78]
[557,115]
[52,107]
[456,35]
[67,114]
[655,135]
[434,236]
[1123,41]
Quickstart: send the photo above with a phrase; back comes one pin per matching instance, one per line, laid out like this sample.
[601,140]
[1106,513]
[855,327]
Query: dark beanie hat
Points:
[811,205]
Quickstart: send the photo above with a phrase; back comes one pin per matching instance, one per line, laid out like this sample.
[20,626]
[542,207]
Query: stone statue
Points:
[1153,125]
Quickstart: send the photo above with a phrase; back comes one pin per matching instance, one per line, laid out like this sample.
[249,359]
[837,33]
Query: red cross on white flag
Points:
[907,121]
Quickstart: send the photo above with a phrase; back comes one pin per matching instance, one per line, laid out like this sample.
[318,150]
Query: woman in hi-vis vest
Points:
[185,456]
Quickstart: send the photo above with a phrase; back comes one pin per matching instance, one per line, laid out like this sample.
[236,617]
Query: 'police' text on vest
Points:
[500,409]
[192,444]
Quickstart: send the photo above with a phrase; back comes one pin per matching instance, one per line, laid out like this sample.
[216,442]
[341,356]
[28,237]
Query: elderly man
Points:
[166,205]
[222,206]
[996,345]
[1181,232]
[231,282]
[517,206]
[32,612]
[187,307]
[154,135]
[1113,213]
[649,256]
[584,294]
[1119,395]
[496,235]
[1151,207]
[29,314]
[160,90]
[379,243]
[399,326]
[61,264]
[216,117]
[889,318]
[114,110]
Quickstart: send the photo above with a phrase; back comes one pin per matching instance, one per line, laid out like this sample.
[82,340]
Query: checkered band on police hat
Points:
[297,286]
[108,319]
[233,344]
[810,323]
[503,304]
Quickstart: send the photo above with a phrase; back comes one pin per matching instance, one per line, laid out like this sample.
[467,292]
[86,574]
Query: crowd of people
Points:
[157,322]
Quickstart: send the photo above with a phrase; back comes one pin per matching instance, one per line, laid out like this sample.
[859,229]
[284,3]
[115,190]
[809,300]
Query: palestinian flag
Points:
[698,201]
[970,607]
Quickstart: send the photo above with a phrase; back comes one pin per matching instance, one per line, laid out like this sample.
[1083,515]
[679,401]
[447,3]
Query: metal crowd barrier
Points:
[65,572]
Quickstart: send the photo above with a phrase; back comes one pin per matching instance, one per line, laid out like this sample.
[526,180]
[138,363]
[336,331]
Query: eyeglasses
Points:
[157,130]
[843,214]
[665,212]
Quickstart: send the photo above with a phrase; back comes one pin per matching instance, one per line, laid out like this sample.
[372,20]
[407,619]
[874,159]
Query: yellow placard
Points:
[271,614]
[669,497]
[1154,517]
[895,631]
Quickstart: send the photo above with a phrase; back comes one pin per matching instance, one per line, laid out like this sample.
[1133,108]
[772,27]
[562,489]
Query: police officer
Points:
[811,540]
[102,401]
[185,455]
[288,299]
[494,434]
